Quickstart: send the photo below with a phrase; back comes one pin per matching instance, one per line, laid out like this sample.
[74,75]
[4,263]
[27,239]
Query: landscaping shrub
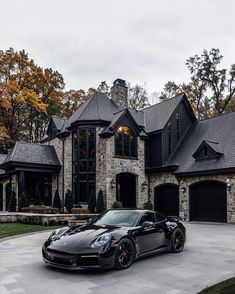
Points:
[23,201]
[79,210]
[100,206]
[148,205]
[92,201]
[69,200]
[12,203]
[56,200]
[117,204]
[37,196]
[40,209]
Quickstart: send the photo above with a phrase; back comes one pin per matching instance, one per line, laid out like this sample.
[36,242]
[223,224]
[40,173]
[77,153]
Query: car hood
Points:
[81,237]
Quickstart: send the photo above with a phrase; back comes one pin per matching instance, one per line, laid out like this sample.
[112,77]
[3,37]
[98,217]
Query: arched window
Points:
[125,142]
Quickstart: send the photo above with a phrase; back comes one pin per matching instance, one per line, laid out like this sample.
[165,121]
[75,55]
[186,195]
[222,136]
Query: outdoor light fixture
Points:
[229,186]
[113,184]
[182,189]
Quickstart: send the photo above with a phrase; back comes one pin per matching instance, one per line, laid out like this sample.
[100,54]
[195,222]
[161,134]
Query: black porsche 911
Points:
[114,240]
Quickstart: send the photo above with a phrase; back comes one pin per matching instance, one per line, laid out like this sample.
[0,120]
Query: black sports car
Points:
[114,240]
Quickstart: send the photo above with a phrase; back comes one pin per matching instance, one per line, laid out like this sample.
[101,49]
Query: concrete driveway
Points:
[209,257]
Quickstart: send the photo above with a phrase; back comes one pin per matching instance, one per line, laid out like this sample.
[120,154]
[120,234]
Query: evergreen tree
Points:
[56,200]
[69,200]
[37,196]
[12,203]
[100,206]
[117,204]
[23,201]
[92,201]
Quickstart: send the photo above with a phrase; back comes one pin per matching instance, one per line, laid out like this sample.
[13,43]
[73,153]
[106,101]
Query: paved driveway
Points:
[209,257]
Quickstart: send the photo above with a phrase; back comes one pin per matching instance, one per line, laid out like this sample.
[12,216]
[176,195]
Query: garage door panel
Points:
[208,202]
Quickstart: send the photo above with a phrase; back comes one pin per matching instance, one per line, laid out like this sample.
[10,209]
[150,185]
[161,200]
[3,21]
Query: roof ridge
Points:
[217,116]
[163,101]
[88,102]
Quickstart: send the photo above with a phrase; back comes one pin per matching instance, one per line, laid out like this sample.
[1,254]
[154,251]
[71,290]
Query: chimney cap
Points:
[119,82]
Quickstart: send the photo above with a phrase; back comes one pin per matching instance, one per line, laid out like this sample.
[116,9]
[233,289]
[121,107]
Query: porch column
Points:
[21,183]
[4,195]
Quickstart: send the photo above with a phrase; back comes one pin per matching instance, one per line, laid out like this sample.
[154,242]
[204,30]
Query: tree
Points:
[28,95]
[104,88]
[69,200]
[12,203]
[137,97]
[211,89]
[92,201]
[57,200]
[37,196]
[23,201]
[100,206]
[71,101]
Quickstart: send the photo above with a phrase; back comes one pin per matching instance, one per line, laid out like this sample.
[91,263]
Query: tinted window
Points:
[160,217]
[123,218]
[149,217]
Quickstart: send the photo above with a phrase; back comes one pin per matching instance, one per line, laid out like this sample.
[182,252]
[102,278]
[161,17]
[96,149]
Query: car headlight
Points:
[54,234]
[101,240]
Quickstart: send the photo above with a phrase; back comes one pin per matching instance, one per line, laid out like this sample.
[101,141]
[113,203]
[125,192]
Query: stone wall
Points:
[108,166]
[184,184]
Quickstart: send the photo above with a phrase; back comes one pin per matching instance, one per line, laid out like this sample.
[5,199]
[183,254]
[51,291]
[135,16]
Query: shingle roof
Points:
[98,107]
[32,154]
[156,116]
[59,122]
[219,130]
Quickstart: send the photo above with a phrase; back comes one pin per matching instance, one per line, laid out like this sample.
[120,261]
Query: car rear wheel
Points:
[125,254]
[177,240]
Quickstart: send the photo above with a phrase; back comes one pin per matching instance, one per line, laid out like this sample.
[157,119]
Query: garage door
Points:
[166,199]
[208,202]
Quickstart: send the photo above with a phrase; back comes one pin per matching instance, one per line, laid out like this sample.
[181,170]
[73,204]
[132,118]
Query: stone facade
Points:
[184,185]
[108,167]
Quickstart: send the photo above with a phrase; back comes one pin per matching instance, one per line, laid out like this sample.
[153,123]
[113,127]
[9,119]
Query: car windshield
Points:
[123,218]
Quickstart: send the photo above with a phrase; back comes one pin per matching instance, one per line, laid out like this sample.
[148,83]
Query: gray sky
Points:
[140,41]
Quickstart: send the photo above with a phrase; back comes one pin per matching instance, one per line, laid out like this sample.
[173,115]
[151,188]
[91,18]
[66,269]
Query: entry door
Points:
[126,189]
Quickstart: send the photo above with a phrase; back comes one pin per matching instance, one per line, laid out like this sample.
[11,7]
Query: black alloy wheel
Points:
[125,254]
[177,240]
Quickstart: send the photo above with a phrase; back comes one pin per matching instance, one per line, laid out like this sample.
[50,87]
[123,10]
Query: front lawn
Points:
[11,229]
[226,287]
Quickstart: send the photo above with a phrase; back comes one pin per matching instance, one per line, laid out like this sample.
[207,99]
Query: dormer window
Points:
[208,150]
[125,142]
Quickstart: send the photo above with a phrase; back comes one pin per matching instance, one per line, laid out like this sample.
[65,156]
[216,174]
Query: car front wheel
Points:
[177,240]
[125,254]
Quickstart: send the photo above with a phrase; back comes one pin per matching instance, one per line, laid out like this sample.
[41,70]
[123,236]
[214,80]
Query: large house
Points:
[162,153]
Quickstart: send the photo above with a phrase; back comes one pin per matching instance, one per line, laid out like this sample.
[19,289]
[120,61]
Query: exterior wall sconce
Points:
[113,184]
[182,189]
[144,185]
[229,185]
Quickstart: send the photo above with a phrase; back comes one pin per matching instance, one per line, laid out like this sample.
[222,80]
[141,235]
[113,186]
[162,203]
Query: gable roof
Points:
[32,154]
[218,129]
[59,122]
[214,148]
[157,116]
[98,108]
[2,158]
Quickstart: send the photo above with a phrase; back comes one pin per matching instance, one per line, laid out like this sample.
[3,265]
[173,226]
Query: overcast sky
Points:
[89,41]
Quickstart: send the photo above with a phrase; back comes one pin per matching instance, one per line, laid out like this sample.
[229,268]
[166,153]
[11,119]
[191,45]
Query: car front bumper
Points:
[70,261]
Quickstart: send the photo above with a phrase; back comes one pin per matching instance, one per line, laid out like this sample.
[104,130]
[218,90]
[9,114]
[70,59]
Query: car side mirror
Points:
[147,224]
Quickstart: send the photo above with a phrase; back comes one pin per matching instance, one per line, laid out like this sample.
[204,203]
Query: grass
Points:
[11,229]
[225,287]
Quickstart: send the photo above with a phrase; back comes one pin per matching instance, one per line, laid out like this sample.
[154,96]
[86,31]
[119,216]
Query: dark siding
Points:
[185,121]
[153,152]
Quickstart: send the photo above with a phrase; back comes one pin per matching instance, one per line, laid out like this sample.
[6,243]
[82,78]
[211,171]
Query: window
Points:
[84,166]
[148,217]
[169,137]
[177,125]
[125,142]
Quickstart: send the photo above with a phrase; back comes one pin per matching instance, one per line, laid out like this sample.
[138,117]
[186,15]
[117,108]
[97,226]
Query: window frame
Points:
[122,143]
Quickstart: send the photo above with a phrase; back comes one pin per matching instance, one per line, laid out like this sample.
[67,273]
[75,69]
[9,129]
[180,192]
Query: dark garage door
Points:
[208,202]
[166,199]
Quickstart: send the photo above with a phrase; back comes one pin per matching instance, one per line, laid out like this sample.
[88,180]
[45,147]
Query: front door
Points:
[126,189]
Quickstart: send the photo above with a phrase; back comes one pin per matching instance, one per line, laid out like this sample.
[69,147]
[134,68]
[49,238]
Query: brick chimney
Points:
[119,93]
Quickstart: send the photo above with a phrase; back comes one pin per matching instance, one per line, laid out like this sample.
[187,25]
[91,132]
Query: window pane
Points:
[91,177]
[91,142]
[83,197]
[82,144]
[91,166]
[82,166]
[83,176]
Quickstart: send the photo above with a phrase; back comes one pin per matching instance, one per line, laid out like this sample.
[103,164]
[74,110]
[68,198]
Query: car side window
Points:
[148,216]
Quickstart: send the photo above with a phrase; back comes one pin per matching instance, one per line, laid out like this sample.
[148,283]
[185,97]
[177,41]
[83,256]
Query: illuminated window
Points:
[125,142]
